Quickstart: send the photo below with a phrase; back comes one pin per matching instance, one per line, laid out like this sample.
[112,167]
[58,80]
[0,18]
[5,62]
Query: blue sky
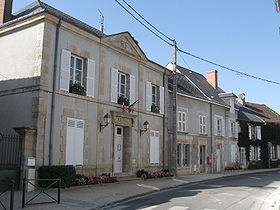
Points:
[243,35]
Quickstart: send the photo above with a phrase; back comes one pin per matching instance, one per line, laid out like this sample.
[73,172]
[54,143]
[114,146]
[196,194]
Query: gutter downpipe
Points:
[163,122]
[53,91]
[211,137]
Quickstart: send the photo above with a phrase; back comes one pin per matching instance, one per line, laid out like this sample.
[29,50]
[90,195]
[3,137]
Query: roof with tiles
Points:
[264,112]
[38,7]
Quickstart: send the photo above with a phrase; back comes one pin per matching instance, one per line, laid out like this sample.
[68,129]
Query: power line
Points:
[142,23]
[184,60]
[183,51]
[227,68]
[147,21]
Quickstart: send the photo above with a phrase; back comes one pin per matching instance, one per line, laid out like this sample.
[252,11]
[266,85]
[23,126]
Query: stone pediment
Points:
[126,43]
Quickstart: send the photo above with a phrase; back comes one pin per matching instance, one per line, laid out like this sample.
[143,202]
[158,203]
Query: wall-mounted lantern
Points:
[106,121]
[146,125]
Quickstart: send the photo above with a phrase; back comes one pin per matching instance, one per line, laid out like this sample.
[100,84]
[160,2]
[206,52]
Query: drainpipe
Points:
[211,137]
[53,91]
[163,122]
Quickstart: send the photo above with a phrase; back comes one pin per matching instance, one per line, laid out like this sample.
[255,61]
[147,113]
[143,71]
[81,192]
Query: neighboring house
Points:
[67,87]
[206,142]
[270,132]
[250,139]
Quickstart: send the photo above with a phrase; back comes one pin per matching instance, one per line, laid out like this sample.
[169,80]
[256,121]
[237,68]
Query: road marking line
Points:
[251,177]
[178,208]
[149,208]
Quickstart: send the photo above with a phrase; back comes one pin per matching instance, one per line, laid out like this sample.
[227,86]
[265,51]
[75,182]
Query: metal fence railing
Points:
[41,190]
[10,188]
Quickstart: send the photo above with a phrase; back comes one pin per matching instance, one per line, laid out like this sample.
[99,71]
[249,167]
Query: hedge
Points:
[66,173]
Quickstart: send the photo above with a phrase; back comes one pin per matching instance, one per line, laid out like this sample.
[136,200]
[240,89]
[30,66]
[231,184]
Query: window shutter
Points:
[65,70]
[259,135]
[236,130]
[215,126]
[232,152]
[161,98]
[250,131]
[259,153]
[79,143]
[114,85]
[223,127]
[131,89]
[90,77]
[148,96]
[70,142]
[278,151]
[154,147]
[229,129]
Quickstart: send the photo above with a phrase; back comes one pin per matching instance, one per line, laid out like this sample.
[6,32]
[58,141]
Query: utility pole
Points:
[174,112]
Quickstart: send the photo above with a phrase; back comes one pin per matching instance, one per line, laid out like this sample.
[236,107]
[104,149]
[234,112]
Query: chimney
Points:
[241,98]
[212,78]
[5,10]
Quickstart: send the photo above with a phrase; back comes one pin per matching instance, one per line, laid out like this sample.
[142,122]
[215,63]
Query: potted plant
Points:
[77,89]
[154,108]
[123,100]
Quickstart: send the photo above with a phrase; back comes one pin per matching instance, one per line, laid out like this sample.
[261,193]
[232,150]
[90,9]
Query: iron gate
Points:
[10,159]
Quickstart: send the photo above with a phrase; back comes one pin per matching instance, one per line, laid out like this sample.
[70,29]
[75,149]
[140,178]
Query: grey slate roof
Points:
[245,114]
[196,85]
[40,7]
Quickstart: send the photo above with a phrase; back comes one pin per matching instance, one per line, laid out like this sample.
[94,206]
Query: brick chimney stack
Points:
[212,78]
[241,98]
[5,10]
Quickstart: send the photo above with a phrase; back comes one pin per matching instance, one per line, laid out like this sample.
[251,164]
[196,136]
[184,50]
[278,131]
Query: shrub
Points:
[141,173]
[66,173]
[256,165]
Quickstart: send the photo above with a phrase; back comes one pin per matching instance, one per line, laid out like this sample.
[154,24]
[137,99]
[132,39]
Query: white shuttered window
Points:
[74,142]
[90,77]
[154,146]
[65,70]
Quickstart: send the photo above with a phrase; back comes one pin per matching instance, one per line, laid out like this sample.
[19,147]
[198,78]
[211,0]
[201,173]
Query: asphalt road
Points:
[254,191]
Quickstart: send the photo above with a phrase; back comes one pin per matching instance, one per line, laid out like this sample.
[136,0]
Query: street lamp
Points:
[146,125]
[106,121]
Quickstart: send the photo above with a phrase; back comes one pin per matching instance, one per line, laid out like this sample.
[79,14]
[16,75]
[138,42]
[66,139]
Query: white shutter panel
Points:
[148,96]
[79,143]
[215,127]
[65,69]
[161,98]
[278,151]
[223,127]
[232,152]
[152,134]
[156,147]
[250,131]
[90,77]
[259,135]
[70,142]
[259,153]
[236,130]
[131,89]
[229,129]
[114,85]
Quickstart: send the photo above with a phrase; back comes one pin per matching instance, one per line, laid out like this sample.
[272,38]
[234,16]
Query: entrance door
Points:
[118,150]
[202,156]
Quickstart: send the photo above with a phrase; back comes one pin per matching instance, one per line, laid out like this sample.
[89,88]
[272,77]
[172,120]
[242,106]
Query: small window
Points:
[119,131]
[182,121]
[155,99]
[232,128]
[202,124]
[219,127]
[77,83]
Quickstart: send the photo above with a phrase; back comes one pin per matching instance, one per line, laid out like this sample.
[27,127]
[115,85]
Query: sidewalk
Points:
[97,196]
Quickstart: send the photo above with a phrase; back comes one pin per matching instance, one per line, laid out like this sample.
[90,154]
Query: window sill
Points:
[183,132]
